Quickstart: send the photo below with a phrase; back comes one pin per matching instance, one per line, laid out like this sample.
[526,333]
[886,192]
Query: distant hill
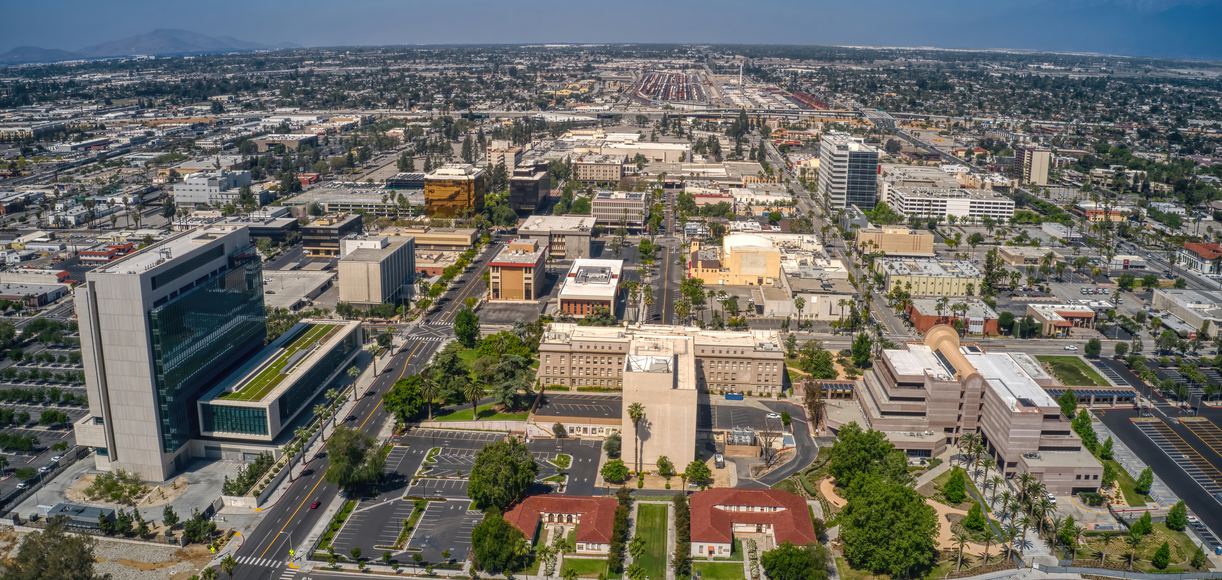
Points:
[159,42]
[33,54]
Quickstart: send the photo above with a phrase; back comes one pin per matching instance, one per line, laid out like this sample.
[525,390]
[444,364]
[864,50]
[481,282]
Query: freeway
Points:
[264,552]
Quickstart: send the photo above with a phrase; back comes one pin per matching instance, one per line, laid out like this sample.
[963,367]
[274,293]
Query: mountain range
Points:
[159,42]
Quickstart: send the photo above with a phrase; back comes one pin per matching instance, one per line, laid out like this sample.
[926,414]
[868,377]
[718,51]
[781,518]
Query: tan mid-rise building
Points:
[659,374]
[742,260]
[455,190]
[574,356]
[929,276]
[376,270]
[927,396]
[895,241]
[516,272]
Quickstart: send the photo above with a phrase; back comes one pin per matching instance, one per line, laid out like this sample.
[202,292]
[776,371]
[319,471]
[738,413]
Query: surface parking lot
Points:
[568,405]
[445,526]
[373,527]
[1198,468]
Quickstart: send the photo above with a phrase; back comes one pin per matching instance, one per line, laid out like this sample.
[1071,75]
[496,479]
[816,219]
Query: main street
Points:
[264,552]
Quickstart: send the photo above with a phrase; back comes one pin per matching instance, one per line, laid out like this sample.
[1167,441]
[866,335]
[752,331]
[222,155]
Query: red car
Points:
[315,505]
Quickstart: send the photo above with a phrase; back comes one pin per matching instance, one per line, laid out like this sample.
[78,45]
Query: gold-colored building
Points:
[455,190]
[895,241]
[743,260]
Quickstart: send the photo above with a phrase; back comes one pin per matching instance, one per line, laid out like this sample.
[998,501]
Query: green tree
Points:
[52,553]
[354,459]
[697,472]
[496,546]
[1093,348]
[858,453]
[1005,321]
[887,527]
[502,473]
[229,565]
[1144,481]
[861,350]
[1068,402]
[612,445]
[790,562]
[954,491]
[405,398]
[1161,557]
[1198,558]
[614,471]
[1177,516]
[974,520]
[466,327]
[169,517]
[665,467]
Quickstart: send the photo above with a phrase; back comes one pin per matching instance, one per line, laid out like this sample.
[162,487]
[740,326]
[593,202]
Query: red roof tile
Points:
[597,515]
[1207,251]
[713,524]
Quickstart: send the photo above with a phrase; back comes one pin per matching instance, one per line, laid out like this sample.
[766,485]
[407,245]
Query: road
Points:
[472,286]
[264,552]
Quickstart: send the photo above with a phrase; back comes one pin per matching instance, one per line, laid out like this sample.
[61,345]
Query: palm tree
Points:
[228,565]
[353,373]
[636,412]
[967,441]
[988,541]
[799,303]
[208,573]
[1024,522]
[1006,498]
[1134,542]
[1011,533]
[960,541]
[996,482]
[473,390]
[1106,539]
[320,411]
[1024,485]
[1076,532]
[332,395]
[429,388]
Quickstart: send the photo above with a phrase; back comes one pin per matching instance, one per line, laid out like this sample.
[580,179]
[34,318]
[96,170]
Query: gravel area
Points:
[132,561]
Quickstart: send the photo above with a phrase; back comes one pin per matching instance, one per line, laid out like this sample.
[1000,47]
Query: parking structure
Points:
[1198,468]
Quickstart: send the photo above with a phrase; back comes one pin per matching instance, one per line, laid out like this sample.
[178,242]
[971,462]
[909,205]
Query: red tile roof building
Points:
[1202,257]
[718,513]
[594,518]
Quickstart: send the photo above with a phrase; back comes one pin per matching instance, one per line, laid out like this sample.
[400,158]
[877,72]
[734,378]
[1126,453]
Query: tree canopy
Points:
[790,562]
[858,453]
[354,459]
[52,554]
[496,546]
[502,473]
[888,528]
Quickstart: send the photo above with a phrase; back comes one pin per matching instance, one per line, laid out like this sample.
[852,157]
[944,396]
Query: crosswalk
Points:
[261,562]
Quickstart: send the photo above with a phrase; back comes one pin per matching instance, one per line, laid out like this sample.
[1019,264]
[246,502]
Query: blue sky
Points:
[1173,28]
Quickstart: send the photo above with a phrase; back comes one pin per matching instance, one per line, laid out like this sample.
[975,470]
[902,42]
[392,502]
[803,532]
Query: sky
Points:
[1160,28]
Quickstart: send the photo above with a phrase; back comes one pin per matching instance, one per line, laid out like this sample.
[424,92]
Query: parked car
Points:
[1071,347]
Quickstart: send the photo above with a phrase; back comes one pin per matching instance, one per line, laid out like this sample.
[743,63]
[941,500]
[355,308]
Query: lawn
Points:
[1128,485]
[271,375]
[563,461]
[487,412]
[1073,371]
[584,567]
[1182,549]
[719,570]
[651,526]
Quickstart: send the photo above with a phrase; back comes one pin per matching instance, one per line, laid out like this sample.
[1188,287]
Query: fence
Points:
[1130,575]
[15,497]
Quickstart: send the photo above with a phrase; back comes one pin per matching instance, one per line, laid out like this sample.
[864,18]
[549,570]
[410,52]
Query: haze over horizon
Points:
[1153,28]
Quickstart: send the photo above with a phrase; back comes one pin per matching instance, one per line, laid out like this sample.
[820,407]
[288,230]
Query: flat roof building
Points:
[620,208]
[929,276]
[895,241]
[214,189]
[972,314]
[942,203]
[517,272]
[742,260]
[529,184]
[1192,308]
[567,237]
[455,190]
[576,356]
[659,373]
[321,237]
[589,286]
[606,169]
[1036,162]
[157,327]
[848,172]
[263,396]
[927,396]
[376,270]
[1058,320]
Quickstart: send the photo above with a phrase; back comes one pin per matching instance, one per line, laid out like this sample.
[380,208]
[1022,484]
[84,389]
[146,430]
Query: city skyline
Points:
[1150,28]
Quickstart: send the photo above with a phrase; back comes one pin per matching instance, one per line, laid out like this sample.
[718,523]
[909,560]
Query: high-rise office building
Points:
[158,327]
[848,172]
[1036,161]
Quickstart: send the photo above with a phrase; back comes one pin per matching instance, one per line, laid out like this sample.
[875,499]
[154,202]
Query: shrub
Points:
[615,471]
[1161,557]
[975,519]
[954,491]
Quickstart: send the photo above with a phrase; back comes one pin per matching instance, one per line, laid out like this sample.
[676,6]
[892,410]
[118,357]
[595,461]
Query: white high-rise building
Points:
[1036,161]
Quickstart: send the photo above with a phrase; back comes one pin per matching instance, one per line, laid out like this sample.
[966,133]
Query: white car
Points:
[1071,347]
